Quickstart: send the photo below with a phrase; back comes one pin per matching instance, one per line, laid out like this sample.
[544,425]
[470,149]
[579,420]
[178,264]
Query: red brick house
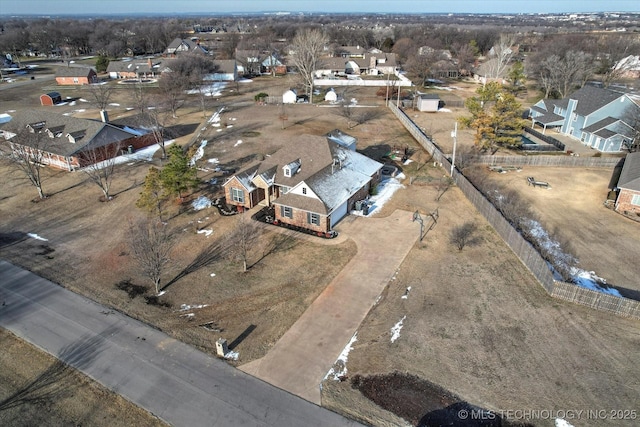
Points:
[628,200]
[68,143]
[312,182]
[76,76]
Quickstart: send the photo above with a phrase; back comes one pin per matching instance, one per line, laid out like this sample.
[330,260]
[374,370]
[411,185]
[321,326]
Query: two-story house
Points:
[602,119]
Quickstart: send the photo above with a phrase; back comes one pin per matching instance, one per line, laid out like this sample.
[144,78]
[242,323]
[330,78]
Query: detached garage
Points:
[51,98]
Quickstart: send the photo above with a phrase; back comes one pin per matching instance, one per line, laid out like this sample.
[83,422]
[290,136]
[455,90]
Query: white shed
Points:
[289,97]
[428,102]
[331,95]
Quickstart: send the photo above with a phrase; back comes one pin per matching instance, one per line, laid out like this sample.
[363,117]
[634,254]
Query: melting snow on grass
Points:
[385,188]
[35,236]
[583,278]
[206,232]
[406,293]
[199,153]
[186,307]
[215,118]
[201,202]
[237,143]
[560,422]
[395,331]
[339,368]
[232,355]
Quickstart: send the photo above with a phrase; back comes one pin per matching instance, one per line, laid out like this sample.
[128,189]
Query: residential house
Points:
[372,62]
[253,62]
[602,119]
[178,46]
[76,76]
[135,69]
[628,200]
[226,71]
[65,142]
[312,182]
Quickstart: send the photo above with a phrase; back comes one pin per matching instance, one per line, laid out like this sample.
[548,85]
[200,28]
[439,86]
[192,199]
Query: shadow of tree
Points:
[49,385]
[209,255]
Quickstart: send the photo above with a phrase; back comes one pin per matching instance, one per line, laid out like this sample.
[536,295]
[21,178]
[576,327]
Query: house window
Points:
[575,117]
[75,80]
[635,200]
[287,172]
[313,218]
[237,195]
[304,190]
[286,212]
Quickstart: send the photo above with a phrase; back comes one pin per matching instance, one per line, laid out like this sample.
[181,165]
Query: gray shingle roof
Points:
[630,175]
[600,124]
[591,99]
[74,71]
[88,133]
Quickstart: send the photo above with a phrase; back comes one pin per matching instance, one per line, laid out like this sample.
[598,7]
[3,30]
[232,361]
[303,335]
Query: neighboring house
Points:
[373,62]
[76,76]
[178,46]
[428,102]
[600,118]
[134,69]
[290,97]
[272,65]
[64,141]
[628,199]
[312,182]
[51,98]
[226,71]
[253,62]
[628,67]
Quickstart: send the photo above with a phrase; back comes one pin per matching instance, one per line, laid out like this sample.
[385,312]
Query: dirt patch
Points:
[47,392]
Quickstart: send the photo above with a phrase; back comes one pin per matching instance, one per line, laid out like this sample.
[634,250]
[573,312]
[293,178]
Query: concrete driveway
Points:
[302,357]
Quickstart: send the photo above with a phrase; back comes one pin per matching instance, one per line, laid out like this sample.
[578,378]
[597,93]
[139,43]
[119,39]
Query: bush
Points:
[260,97]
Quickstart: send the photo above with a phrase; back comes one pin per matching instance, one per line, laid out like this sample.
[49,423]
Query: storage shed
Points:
[51,98]
[289,97]
[331,96]
[428,102]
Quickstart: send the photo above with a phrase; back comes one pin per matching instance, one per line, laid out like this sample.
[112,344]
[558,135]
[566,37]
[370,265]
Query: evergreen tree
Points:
[178,175]
[102,63]
[153,194]
[496,117]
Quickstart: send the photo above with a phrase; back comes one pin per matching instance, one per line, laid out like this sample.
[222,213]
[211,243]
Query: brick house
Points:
[64,142]
[628,199]
[76,76]
[312,182]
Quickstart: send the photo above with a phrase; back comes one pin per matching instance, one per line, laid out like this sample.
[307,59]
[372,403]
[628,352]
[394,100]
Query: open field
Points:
[46,392]
[479,325]
[476,321]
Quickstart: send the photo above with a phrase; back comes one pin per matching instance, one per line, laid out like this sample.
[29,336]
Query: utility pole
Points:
[454,135]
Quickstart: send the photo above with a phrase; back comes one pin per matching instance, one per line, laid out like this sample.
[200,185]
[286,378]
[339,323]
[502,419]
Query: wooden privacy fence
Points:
[527,254]
[542,160]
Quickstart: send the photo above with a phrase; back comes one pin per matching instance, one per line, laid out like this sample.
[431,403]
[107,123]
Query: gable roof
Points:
[630,175]
[331,171]
[591,99]
[74,71]
[53,131]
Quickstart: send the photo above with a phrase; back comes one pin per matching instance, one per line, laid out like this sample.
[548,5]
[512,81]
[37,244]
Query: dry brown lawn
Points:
[477,322]
[43,391]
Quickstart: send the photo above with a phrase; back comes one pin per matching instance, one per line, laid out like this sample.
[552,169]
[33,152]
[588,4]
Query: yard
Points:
[477,323]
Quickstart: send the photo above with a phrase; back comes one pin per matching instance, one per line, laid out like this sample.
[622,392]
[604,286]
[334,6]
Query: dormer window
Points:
[76,136]
[36,127]
[290,169]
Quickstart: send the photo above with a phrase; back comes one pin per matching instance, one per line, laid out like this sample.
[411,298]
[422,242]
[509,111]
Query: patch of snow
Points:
[72,103]
[377,300]
[188,315]
[219,130]
[161,293]
[339,369]
[137,132]
[206,232]
[385,188]
[35,236]
[589,280]
[213,275]
[215,118]
[199,153]
[214,160]
[406,162]
[406,293]
[143,154]
[444,110]
[201,202]
[232,355]
[237,143]
[229,126]
[187,307]
[114,104]
[395,331]
[559,422]
[82,100]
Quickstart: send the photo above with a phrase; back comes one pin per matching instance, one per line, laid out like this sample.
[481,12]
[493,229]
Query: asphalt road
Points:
[175,382]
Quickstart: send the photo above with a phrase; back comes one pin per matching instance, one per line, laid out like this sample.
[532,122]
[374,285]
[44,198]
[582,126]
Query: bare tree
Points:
[500,56]
[463,235]
[101,166]
[172,88]
[308,45]
[101,94]
[348,113]
[28,156]
[159,119]
[442,186]
[151,244]
[243,239]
